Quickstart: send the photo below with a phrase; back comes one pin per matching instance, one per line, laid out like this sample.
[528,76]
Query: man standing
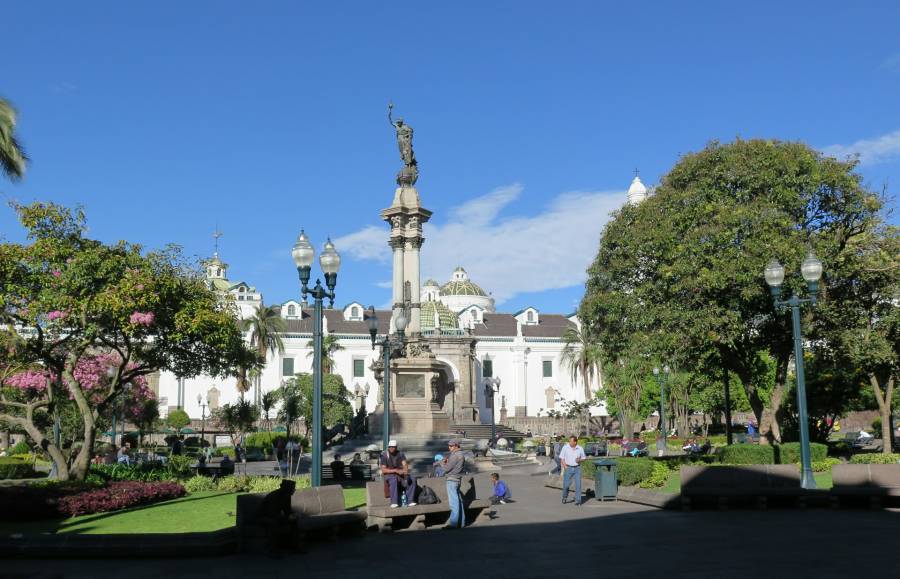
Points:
[454,465]
[570,458]
[395,469]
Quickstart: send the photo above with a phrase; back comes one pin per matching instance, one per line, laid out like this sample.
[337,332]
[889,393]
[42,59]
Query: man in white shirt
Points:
[570,458]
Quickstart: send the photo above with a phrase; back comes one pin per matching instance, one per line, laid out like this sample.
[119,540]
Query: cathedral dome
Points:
[461,285]
[436,316]
[637,192]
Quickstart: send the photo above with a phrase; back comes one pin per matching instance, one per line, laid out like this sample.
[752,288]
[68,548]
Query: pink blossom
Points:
[142,318]
[31,381]
[56,315]
[57,273]
[139,287]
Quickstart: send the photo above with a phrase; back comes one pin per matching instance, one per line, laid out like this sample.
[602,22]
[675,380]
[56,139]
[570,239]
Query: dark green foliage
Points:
[879,458]
[629,471]
[748,454]
[11,468]
[178,419]
[789,452]
[21,447]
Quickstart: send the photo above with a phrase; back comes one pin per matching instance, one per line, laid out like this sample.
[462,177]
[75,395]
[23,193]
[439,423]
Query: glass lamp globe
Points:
[774,273]
[303,251]
[329,258]
[400,321]
[371,319]
[656,371]
[811,268]
[666,369]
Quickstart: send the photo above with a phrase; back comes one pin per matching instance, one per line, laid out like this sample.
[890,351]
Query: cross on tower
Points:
[216,235]
[637,173]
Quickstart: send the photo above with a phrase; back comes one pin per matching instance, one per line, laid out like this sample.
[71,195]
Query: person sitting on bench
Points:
[276,516]
[395,469]
[337,468]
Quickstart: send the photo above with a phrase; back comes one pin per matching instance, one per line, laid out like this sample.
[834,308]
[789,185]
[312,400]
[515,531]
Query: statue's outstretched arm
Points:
[390,109]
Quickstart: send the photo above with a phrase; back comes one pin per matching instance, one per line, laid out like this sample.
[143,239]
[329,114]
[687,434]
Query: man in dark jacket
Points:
[454,466]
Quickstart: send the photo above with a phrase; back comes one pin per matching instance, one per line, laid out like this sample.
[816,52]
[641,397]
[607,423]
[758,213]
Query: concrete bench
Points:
[759,482]
[319,511]
[382,517]
[872,481]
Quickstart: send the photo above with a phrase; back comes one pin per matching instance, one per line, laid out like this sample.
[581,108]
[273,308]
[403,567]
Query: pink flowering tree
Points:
[84,322]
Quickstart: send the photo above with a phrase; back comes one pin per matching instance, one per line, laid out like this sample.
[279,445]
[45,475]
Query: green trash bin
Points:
[605,484]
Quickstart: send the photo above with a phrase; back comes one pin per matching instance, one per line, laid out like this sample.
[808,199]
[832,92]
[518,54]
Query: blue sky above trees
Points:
[167,118]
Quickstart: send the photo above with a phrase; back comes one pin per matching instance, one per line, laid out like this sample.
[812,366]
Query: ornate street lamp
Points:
[391,347]
[661,380]
[330,262]
[202,419]
[492,387]
[811,269]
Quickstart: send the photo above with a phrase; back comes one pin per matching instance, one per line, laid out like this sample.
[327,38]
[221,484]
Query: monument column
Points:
[396,243]
[413,246]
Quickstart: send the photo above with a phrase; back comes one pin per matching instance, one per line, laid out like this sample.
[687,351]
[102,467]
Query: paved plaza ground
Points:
[538,537]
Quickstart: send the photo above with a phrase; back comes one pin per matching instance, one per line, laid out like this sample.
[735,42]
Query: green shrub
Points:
[21,447]
[11,468]
[825,464]
[256,484]
[233,483]
[789,452]
[629,470]
[658,476]
[748,454]
[197,484]
[875,458]
[179,467]
[876,426]
[225,451]
[717,439]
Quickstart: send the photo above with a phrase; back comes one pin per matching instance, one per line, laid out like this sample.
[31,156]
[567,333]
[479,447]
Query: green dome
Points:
[447,318]
[462,288]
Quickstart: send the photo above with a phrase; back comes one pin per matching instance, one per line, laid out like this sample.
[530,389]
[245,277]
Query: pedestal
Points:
[414,408]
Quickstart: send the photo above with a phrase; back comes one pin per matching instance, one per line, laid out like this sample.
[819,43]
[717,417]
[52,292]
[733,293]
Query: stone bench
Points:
[871,481]
[759,482]
[319,511]
[356,472]
[382,517]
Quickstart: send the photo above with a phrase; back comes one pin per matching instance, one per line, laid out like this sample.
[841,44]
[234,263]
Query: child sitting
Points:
[502,493]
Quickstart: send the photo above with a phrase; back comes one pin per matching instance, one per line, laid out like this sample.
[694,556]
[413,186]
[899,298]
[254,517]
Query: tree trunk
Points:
[883,397]
[56,455]
[82,463]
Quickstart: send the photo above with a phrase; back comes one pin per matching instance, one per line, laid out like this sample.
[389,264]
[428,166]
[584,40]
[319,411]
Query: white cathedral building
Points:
[523,349]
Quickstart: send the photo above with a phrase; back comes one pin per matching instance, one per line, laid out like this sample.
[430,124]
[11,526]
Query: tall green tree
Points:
[12,157]
[336,407]
[83,303]
[331,344]
[682,271]
[265,327]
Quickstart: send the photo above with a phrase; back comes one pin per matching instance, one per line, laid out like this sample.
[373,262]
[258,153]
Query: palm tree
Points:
[12,158]
[268,402]
[330,345]
[581,354]
[265,327]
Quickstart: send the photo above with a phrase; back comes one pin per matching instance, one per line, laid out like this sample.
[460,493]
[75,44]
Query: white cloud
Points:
[871,151]
[385,284]
[506,256]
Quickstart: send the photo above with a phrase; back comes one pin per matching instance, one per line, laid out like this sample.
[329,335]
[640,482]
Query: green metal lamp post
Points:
[811,269]
[330,262]
[391,347]
[662,402]
[491,387]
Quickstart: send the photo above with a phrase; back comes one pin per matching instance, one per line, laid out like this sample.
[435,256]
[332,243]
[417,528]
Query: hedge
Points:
[629,470]
[789,452]
[748,454]
[241,483]
[14,469]
[119,495]
[875,458]
[658,476]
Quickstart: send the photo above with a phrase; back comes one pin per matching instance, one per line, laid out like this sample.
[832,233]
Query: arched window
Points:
[354,312]
[241,289]
[292,311]
[530,316]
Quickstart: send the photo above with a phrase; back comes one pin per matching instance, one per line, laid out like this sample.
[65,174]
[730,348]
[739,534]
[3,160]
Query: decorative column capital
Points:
[396,242]
[415,242]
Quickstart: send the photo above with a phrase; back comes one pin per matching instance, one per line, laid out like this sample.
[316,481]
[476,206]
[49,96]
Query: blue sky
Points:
[165,118]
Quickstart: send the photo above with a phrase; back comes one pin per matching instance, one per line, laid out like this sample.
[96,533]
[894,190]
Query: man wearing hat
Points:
[395,469]
[454,464]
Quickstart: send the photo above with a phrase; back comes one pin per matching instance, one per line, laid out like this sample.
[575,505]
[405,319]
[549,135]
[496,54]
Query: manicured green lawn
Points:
[198,512]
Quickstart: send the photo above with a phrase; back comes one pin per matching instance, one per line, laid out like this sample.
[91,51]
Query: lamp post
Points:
[811,269]
[330,262]
[491,387]
[391,347]
[110,374]
[202,418]
[661,380]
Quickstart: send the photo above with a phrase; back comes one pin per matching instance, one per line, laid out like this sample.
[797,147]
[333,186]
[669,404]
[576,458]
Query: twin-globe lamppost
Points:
[811,269]
[202,418]
[491,387]
[391,346]
[330,262]
[662,405]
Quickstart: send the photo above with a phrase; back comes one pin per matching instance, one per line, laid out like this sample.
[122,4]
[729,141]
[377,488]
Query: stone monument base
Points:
[414,408]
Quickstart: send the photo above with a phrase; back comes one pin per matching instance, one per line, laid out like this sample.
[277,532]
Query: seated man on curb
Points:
[502,493]
[276,517]
[395,469]
[337,468]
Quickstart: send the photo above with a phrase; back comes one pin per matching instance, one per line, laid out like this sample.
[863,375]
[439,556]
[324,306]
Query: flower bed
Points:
[119,495]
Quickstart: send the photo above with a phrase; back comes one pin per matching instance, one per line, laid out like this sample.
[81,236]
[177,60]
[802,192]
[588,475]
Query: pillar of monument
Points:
[413,245]
[397,245]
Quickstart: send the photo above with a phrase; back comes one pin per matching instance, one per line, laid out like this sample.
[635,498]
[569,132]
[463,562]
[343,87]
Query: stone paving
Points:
[538,537]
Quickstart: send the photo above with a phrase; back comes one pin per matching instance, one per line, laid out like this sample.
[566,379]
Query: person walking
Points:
[454,464]
[570,458]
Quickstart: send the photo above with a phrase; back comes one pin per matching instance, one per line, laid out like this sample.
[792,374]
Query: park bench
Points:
[595,449]
[865,481]
[356,472]
[320,513]
[642,449]
[382,517]
[724,484]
